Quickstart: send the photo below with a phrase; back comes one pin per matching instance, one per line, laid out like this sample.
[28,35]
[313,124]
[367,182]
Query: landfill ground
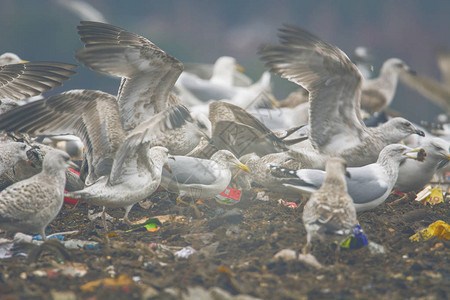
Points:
[234,256]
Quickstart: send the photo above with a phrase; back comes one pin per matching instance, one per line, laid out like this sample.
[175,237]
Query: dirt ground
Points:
[234,256]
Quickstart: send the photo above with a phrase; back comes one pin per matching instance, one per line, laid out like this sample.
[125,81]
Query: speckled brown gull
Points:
[94,117]
[30,205]
[148,73]
[135,174]
[330,214]
[378,93]
[334,86]
[11,153]
[24,80]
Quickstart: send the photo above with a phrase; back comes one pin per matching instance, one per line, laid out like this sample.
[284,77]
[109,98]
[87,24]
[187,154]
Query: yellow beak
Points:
[239,68]
[24,61]
[242,167]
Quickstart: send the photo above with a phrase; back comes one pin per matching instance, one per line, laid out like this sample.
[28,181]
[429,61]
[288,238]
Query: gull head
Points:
[438,150]
[227,158]
[203,124]
[399,152]
[57,160]
[397,65]
[400,128]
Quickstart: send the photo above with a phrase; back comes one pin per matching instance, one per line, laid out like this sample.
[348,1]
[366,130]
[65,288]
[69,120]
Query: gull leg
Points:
[42,233]
[307,248]
[105,226]
[127,211]
[179,201]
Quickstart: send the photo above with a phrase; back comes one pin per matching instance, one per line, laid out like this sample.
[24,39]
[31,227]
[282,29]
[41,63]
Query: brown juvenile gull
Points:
[334,86]
[329,215]
[24,80]
[31,204]
[94,117]
[200,178]
[148,73]
[378,93]
[11,153]
[135,174]
[236,130]
[369,185]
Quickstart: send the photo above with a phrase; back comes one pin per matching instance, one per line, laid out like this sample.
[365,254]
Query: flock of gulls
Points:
[197,129]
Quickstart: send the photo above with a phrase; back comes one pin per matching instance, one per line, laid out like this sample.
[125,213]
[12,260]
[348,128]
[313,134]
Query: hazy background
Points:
[201,31]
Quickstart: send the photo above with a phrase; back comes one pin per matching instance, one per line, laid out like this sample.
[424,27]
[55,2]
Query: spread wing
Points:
[22,81]
[148,73]
[333,83]
[93,116]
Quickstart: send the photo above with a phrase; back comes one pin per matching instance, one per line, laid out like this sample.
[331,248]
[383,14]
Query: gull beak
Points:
[167,167]
[417,154]
[239,68]
[24,62]
[274,102]
[447,156]
[242,167]
[72,165]
[419,132]
[171,157]
[411,72]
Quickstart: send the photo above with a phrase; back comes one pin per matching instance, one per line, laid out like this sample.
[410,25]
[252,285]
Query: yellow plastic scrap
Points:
[430,195]
[438,228]
[122,280]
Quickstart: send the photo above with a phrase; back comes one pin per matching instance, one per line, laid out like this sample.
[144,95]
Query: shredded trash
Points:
[439,228]
[185,252]
[357,240]
[229,196]
[287,203]
[430,196]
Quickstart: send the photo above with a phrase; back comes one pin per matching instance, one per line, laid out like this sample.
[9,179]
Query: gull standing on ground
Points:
[330,213]
[200,178]
[369,186]
[334,86]
[31,204]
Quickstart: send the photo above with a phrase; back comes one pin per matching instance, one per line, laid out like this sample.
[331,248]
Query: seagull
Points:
[20,81]
[212,82]
[11,153]
[414,175]
[369,186]
[200,178]
[135,174]
[148,73]
[234,129]
[31,204]
[9,58]
[378,93]
[334,85]
[330,213]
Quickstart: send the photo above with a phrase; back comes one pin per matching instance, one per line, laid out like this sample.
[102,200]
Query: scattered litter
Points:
[262,196]
[38,237]
[286,255]
[438,228]
[149,225]
[78,244]
[120,281]
[357,240]
[5,248]
[375,248]
[185,252]
[430,196]
[310,260]
[287,203]
[229,196]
